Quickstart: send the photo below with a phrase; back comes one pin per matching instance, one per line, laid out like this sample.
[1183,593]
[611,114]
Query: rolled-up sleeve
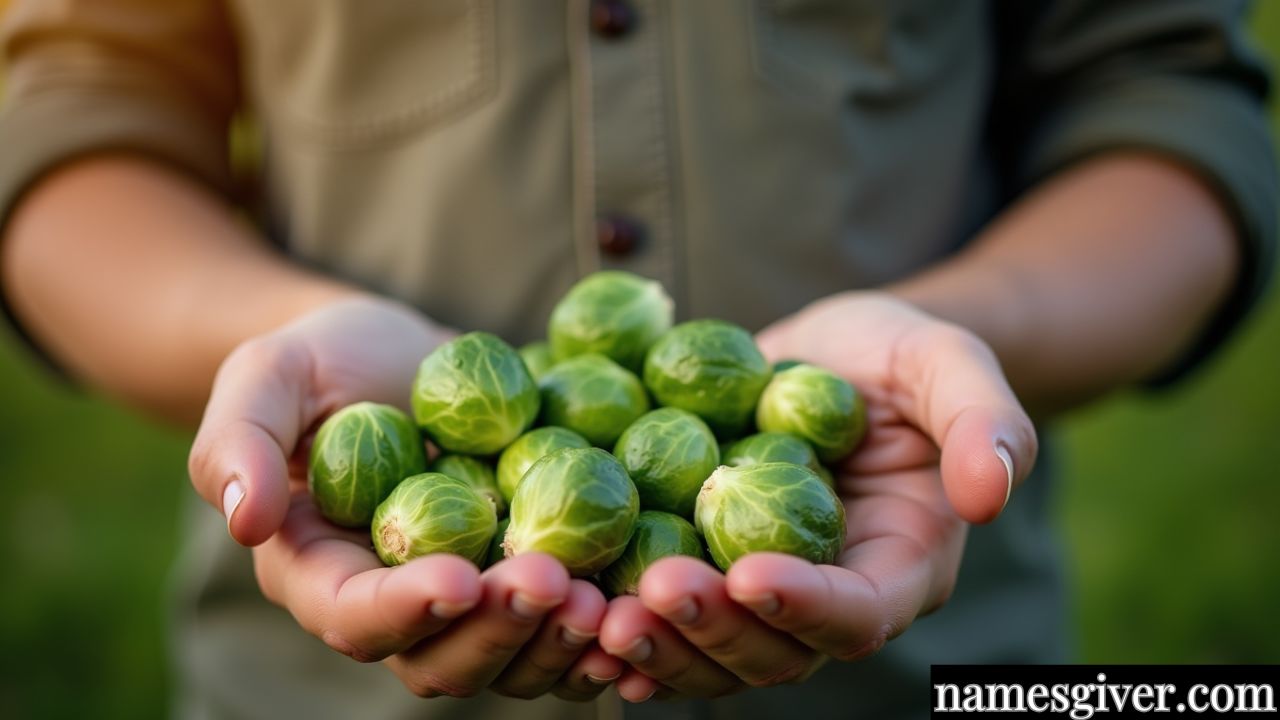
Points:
[1175,77]
[151,77]
[87,76]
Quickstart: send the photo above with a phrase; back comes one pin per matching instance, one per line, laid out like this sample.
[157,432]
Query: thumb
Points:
[960,398]
[251,425]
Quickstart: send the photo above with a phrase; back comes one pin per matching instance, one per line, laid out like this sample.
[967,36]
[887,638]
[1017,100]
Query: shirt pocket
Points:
[864,50]
[355,72]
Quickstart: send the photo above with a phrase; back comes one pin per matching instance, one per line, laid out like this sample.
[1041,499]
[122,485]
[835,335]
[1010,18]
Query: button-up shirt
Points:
[475,157]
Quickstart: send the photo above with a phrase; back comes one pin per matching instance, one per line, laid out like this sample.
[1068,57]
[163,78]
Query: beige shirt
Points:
[474,157]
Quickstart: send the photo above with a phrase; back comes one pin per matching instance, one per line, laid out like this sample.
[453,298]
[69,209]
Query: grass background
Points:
[1169,504]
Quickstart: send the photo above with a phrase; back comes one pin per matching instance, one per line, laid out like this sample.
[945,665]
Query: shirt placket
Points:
[623,144]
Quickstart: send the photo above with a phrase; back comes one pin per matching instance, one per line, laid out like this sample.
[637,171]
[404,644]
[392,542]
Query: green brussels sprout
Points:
[668,453]
[358,457]
[576,504]
[774,507]
[432,513]
[592,396]
[537,358]
[711,368]
[817,405]
[614,313]
[476,473]
[473,395]
[774,447]
[785,365]
[495,555]
[657,535]
[825,473]
[520,455]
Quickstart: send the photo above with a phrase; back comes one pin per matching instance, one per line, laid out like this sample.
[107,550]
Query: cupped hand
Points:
[947,443]
[522,627]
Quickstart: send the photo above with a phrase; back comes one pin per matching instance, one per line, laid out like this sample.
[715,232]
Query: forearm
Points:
[140,282]
[1100,277]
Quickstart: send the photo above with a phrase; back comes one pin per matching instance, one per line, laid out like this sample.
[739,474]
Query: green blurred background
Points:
[1169,504]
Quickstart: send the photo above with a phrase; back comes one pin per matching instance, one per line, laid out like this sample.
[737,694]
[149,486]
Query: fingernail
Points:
[1002,452]
[574,639]
[601,681]
[232,496]
[685,612]
[525,608]
[648,697]
[638,651]
[767,604]
[449,610]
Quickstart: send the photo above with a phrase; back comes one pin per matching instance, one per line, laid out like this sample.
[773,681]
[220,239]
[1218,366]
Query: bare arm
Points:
[1102,276]
[141,282]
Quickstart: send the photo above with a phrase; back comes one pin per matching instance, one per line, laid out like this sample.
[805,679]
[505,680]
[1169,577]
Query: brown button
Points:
[611,19]
[618,236]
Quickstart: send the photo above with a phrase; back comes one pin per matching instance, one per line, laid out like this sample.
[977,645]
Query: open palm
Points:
[521,627]
[947,442]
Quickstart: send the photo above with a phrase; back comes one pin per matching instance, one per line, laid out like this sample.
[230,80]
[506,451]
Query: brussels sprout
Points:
[520,455]
[359,455]
[473,395]
[711,368]
[592,396]
[814,404]
[776,507]
[657,535]
[774,447]
[474,472]
[576,504]
[825,473]
[668,453]
[431,513]
[537,358]
[614,313]
[495,555]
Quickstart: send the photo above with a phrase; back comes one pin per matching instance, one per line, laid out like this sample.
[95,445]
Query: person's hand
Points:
[522,627]
[947,443]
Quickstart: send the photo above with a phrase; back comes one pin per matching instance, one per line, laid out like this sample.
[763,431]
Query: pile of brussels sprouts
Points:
[619,441]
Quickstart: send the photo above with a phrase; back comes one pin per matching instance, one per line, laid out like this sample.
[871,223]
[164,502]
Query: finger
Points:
[518,594]
[636,687]
[563,637]
[336,588]
[691,595]
[891,446]
[919,522]
[239,459]
[960,398]
[650,645]
[590,674]
[773,341]
[847,613]
[384,611]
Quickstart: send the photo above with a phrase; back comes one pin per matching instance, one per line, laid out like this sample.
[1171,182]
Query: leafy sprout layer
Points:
[593,396]
[669,453]
[432,513]
[528,449]
[711,368]
[474,472]
[770,507]
[359,455]
[614,313]
[817,405]
[577,505]
[473,395]
[657,535]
